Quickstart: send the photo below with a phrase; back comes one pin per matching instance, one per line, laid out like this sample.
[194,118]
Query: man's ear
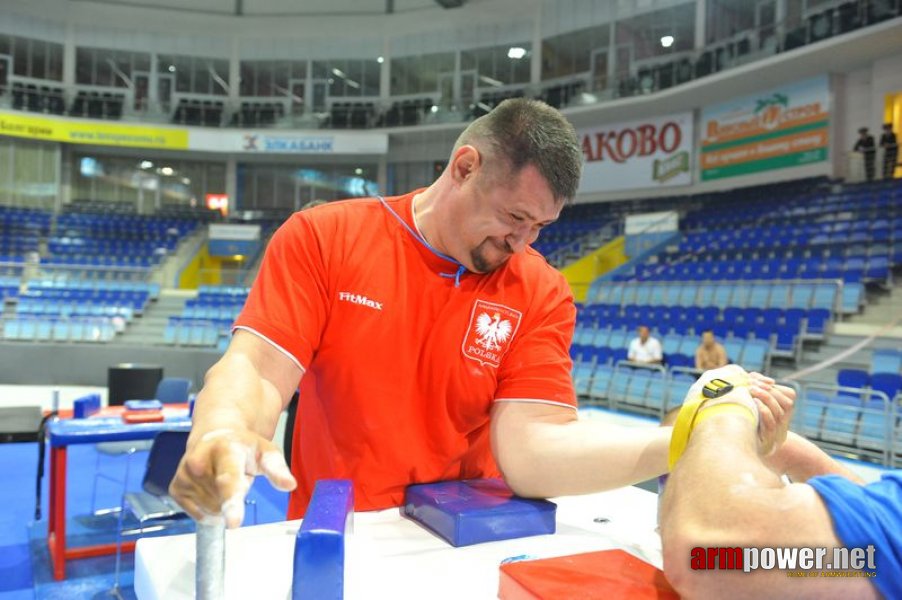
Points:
[465,163]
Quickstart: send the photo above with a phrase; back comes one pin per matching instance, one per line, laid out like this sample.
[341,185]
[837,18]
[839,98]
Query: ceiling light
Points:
[146,164]
[358,171]
[667,41]
[167,171]
[172,68]
[516,52]
[380,60]
[434,108]
[339,73]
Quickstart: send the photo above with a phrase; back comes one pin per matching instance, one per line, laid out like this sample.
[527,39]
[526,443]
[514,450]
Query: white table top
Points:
[389,556]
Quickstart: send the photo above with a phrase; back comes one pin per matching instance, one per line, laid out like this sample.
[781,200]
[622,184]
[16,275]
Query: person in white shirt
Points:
[645,349]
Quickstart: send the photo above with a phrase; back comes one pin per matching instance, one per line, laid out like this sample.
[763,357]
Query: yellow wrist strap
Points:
[722,409]
[691,414]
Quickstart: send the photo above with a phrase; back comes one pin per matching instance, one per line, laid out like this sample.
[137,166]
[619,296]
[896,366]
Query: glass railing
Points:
[640,77]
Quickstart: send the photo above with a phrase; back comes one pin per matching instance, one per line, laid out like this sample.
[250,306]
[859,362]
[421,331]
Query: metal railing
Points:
[856,421]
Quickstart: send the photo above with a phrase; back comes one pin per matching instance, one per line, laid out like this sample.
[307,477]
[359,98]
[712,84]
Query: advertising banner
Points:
[784,127]
[289,142]
[650,153]
[83,131]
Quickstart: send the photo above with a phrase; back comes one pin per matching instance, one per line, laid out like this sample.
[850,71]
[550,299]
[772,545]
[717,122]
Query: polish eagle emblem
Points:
[493,331]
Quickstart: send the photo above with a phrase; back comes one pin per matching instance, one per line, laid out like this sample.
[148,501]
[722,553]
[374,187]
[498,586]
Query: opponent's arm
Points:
[720,494]
[235,416]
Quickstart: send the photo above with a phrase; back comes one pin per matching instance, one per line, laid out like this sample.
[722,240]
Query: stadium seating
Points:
[207,320]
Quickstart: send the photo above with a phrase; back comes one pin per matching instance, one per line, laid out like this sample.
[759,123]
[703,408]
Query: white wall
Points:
[861,94]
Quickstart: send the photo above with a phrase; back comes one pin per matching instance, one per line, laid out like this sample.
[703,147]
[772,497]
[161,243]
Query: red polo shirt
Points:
[402,362]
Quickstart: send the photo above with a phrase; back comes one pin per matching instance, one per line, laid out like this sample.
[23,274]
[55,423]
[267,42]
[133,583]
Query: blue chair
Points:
[619,385]
[809,418]
[637,387]
[852,298]
[816,322]
[174,390]
[840,422]
[886,361]
[602,356]
[853,378]
[733,348]
[600,382]
[582,378]
[888,383]
[754,355]
[656,393]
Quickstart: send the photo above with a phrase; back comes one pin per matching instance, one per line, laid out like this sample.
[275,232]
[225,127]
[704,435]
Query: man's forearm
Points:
[540,459]
[234,394]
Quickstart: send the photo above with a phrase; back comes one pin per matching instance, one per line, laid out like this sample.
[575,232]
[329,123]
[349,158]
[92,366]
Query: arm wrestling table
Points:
[390,556]
[66,432]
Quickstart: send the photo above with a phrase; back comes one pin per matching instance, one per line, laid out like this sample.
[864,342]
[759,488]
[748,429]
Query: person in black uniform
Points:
[890,150]
[865,145]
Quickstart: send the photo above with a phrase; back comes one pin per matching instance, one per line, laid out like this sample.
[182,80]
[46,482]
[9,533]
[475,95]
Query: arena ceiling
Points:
[261,8]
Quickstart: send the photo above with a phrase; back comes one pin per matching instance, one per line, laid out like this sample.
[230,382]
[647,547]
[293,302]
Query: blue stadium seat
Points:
[656,394]
[582,378]
[888,383]
[637,387]
[601,381]
[886,361]
[754,355]
[734,347]
[840,422]
[852,299]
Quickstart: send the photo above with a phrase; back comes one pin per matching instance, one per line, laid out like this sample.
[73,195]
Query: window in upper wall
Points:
[498,65]
[349,77]
[270,78]
[419,74]
[646,33]
[571,53]
[726,18]
[38,59]
[113,68]
[197,74]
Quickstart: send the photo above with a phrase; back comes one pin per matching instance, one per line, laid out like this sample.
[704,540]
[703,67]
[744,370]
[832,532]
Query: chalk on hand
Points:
[319,550]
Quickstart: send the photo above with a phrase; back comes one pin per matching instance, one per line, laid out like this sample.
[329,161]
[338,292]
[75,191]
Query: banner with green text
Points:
[785,127]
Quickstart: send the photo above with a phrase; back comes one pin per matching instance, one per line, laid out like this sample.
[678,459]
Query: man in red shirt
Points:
[429,342]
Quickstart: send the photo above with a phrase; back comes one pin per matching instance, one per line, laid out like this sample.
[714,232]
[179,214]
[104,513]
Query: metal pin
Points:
[210,564]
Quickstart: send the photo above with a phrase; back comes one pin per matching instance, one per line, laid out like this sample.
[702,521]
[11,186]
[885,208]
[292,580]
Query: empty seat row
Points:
[758,295]
[643,390]
[72,329]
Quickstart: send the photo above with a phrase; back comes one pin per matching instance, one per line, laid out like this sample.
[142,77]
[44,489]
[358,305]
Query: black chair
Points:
[153,504]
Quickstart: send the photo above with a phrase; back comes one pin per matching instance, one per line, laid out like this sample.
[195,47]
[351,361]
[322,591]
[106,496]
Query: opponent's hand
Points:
[216,472]
[775,405]
[770,403]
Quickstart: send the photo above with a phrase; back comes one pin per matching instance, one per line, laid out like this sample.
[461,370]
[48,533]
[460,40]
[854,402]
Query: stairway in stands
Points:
[148,329]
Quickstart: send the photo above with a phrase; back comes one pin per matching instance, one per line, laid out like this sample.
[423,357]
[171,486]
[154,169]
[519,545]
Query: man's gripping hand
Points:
[216,472]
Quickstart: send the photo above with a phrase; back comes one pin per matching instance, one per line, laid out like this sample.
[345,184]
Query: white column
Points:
[234,76]
[535,64]
[231,182]
[701,13]
[382,175]
[385,70]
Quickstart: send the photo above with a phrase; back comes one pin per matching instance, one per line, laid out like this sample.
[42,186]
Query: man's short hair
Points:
[525,132]
[704,331]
